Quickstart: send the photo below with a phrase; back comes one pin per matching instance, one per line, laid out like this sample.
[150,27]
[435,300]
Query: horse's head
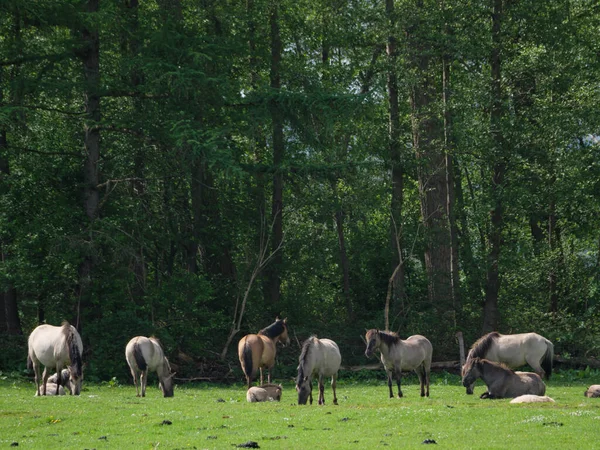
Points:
[166,379]
[470,372]
[304,388]
[75,381]
[284,337]
[372,338]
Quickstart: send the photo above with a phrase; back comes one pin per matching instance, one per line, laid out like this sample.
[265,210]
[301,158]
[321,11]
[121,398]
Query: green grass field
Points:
[109,415]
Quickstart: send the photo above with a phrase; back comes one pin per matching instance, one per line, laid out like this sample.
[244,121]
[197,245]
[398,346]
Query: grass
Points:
[110,416]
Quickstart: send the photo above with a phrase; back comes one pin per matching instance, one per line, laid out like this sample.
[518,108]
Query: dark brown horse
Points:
[257,351]
[501,381]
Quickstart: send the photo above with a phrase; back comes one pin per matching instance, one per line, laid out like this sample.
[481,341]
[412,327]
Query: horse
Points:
[501,381]
[64,379]
[257,351]
[56,347]
[318,357]
[528,398]
[397,355]
[264,393]
[52,389]
[593,391]
[515,350]
[146,354]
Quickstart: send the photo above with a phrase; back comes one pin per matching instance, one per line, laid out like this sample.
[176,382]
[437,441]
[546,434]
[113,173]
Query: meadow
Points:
[211,416]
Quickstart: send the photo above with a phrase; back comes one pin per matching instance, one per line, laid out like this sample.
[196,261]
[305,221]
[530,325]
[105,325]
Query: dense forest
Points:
[193,169]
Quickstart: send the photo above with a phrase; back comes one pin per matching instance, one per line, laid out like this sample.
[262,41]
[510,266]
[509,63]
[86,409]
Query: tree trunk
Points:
[491,313]
[274,272]
[434,191]
[395,153]
[90,57]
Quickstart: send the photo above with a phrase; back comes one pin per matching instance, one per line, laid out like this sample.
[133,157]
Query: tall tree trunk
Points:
[395,154]
[491,313]
[434,191]
[90,57]
[344,262]
[274,273]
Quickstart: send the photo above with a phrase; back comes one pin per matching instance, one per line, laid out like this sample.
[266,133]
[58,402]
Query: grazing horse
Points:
[397,355]
[515,350]
[257,351]
[264,393]
[593,391]
[322,358]
[56,347]
[146,354]
[501,381]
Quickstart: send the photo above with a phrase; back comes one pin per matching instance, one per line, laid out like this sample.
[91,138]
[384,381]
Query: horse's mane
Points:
[482,345]
[74,354]
[388,337]
[273,330]
[494,364]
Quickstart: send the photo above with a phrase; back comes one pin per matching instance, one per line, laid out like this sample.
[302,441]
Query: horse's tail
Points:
[247,358]
[139,357]
[29,363]
[548,359]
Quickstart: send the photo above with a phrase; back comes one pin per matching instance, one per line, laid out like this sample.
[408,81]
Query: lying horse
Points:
[515,350]
[257,351]
[56,347]
[264,393]
[52,389]
[501,381]
[144,354]
[320,357]
[397,355]
[64,380]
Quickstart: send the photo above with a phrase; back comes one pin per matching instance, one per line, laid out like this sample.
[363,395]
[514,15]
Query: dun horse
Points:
[397,355]
[322,358]
[257,351]
[501,381]
[55,348]
[145,354]
[515,350]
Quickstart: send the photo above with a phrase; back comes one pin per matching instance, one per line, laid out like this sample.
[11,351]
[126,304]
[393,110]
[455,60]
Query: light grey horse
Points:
[55,348]
[414,353]
[320,358]
[146,354]
[501,381]
[515,350]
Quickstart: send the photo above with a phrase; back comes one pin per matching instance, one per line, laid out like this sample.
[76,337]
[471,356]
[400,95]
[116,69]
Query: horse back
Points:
[329,357]
[513,349]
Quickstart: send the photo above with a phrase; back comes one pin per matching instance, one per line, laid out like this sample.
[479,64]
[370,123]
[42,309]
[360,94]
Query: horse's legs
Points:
[398,372]
[389,372]
[536,366]
[333,386]
[58,375]
[143,381]
[421,375]
[310,391]
[45,376]
[36,371]
[135,381]
[321,391]
[427,376]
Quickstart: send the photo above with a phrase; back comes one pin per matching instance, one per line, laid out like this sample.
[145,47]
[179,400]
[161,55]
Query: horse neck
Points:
[489,369]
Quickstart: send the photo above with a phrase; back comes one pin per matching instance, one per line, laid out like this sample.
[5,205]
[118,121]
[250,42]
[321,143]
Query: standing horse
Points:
[515,350]
[144,354]
[318,357]
[56,347]
[257,351]
[397,355]
[501,381]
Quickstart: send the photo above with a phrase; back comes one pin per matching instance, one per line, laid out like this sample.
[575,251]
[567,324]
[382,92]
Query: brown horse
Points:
[257,351]
[501,381]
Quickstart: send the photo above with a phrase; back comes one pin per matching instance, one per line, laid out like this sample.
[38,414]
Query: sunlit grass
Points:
[214,416]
